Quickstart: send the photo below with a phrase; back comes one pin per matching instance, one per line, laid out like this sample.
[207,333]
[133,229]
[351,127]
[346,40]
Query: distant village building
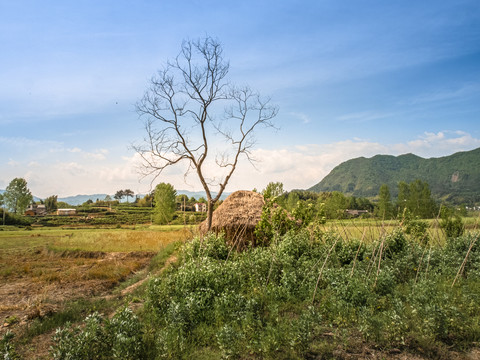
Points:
[356,213]
[36,210]
[66,212]
[200,207]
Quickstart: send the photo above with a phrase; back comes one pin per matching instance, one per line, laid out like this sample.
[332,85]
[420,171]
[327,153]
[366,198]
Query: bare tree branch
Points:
[178,110]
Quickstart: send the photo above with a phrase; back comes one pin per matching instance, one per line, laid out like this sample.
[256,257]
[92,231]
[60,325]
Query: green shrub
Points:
[417,229]
[100,338]
[453,226]
[259,303]
[7,350]
[17,220]
[395,243]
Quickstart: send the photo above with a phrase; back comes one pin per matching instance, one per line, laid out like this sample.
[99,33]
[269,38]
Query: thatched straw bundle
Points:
[237,217]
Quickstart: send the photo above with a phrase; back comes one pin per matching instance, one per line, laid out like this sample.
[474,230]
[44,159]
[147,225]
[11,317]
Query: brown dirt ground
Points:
[38,284]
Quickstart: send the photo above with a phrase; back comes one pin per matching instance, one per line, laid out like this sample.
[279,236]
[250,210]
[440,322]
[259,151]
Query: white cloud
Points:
[305,165]
[297,167]
[95,155]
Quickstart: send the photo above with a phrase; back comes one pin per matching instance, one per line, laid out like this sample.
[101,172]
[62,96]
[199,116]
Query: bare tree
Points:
[188,106]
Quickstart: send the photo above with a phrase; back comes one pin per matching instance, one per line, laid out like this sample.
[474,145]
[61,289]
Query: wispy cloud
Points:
[23,142]
[304,118]
[361,117]
[447,94]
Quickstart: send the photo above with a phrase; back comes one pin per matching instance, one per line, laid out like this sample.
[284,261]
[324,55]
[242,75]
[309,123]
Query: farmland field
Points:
[41,270]
[371,229]
[348,288]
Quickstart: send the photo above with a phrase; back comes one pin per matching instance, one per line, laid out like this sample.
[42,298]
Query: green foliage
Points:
[17,196]
[100,338]
[416,199]
[165,205]
[7,350]
[51,203]
[260,303]
[128,193]
[12,219]
[451,223]
[335,204]
[119,195]
[256,302]
[273,223]
[273,190]
[384,208]
[416,228]
[304,212]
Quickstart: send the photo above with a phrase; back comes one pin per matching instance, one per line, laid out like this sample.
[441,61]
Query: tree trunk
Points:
[209,214]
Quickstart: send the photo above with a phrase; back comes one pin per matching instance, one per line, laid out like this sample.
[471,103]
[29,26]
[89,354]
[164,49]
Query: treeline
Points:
[414,199]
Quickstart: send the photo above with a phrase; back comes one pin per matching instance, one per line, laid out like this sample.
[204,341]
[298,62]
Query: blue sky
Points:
[351,79]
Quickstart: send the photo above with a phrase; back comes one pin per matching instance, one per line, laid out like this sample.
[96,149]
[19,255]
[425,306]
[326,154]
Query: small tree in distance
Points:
[128,193]
[51,203]
[384,207]
[119,195]
[17,196]
[165,204]
[182,112]
[2,204]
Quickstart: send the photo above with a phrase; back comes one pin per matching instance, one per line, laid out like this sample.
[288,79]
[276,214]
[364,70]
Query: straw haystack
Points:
[237,217]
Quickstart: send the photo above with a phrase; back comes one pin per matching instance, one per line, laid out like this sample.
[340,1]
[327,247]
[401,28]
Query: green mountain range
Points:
[454,178]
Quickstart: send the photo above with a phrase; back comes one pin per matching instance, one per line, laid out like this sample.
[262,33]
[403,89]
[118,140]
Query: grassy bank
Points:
[304,296]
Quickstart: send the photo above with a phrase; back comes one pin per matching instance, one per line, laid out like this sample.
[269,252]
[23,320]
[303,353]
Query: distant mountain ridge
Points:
[454,178]
[80,199]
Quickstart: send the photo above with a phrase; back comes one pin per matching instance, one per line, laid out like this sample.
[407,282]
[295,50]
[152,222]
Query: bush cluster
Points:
[102,339]
[277,301]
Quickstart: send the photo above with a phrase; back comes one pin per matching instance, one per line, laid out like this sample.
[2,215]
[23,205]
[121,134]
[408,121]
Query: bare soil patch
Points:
[36,283]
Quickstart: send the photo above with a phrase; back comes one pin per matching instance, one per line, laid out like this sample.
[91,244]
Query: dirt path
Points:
[133,287]
[23,299]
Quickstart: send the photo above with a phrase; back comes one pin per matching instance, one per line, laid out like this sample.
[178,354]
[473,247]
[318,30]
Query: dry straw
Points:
[237,217]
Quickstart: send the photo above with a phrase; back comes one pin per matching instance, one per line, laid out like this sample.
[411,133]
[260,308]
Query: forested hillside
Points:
[454,178]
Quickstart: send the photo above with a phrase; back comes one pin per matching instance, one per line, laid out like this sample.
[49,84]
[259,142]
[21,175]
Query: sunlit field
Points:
[147,238]
[44,270]
[370,230]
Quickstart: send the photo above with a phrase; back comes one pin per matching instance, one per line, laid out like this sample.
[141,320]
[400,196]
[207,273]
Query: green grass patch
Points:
[72,312]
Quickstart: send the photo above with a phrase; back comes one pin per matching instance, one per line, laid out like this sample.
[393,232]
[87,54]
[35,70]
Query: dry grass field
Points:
[42,269]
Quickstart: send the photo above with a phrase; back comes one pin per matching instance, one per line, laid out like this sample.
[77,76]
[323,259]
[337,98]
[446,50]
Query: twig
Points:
[462,267]
[358,250]
[420,265]
[379,261]
[321,270]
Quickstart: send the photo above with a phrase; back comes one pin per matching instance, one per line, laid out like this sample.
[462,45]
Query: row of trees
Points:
[120,194]
[415,198]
